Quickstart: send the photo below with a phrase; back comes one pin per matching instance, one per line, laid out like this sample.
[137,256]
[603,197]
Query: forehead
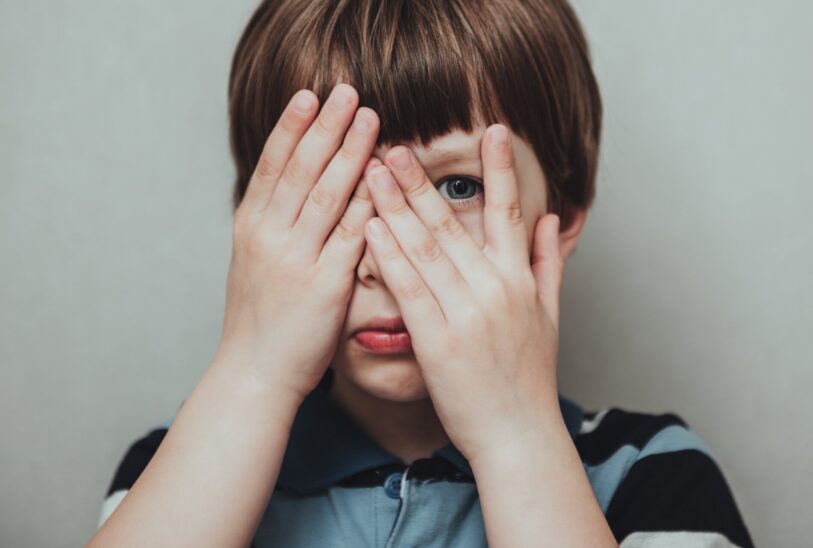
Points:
[455,147]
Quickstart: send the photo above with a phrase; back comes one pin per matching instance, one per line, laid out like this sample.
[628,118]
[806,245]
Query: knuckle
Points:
[400,208]
[392,254]
[261,242]
[266,168]
[322,198]
[496,293]
[411,290]
[369,120]
[504,162]
[427,251]
[347,231]
[469,319]
[296,170]
[418,190]
[361,195]
[346,155]
[513,212]
[448,227]
[255,245]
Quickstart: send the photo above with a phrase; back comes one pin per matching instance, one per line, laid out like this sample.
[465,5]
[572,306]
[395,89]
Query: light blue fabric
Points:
[606,476]
[430,514]
[309,509]
[325,446]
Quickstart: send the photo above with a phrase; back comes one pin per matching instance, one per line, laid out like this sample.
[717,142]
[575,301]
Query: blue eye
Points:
[461,190]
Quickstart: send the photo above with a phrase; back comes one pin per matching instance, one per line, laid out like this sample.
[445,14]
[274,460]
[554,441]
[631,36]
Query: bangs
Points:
[416,64]
[426,67]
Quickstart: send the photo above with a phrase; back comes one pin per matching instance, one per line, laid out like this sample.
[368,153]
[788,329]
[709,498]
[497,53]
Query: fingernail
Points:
[373,162]
[382,179]
[499,135]
[376,228]
[302,103]
[402,159]
[341,97]
[360,121]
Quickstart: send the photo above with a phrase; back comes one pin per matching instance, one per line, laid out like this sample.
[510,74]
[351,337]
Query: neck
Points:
[408,430]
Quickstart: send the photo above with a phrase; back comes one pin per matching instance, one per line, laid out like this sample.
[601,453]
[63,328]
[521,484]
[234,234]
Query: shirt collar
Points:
[326,446]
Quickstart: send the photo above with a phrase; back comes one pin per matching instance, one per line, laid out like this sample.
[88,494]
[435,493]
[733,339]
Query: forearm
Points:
[536,492]
[212,476]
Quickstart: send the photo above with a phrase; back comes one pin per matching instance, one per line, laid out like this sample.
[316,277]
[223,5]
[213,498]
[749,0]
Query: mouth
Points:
[384,336]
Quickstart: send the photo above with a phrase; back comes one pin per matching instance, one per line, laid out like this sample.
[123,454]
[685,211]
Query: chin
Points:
[387,377]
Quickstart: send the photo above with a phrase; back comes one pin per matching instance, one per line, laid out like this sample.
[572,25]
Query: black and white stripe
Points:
[655,479]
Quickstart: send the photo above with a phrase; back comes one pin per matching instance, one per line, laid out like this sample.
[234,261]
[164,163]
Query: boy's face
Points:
[458,179]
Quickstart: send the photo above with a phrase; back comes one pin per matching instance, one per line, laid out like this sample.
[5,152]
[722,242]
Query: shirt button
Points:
[392,485]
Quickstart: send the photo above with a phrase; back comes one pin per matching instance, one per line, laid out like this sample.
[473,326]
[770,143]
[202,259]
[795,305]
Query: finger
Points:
[547,264]
[435,213]
[344,246]
[279,146]
[311,155]
[504,225]
[420,310]
[421,249]
[327,200]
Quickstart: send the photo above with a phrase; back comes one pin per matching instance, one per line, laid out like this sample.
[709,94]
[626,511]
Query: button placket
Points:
[400,490]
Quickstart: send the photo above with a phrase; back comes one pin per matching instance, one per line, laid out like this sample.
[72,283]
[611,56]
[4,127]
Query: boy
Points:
[386,374]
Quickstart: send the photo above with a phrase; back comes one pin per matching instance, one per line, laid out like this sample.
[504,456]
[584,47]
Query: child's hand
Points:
[483,322]
[295,246]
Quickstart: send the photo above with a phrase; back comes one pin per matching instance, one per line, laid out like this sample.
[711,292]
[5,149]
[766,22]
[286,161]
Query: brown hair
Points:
[427,67]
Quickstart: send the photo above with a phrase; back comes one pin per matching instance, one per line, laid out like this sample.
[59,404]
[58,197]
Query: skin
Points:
[298,254]
[480,299]
[386,394]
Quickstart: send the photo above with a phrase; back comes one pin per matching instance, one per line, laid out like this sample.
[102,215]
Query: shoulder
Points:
[605,432]
[135,459]
[655,479]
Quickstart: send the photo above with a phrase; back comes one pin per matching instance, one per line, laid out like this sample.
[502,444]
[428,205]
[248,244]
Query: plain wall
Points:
[689,291]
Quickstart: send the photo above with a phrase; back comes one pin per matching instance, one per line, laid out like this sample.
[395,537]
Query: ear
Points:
[572,220]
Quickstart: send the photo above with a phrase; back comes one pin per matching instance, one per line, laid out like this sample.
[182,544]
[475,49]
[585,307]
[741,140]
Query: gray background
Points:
[688,293]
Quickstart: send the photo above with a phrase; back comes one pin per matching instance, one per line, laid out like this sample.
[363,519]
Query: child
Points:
[398,388]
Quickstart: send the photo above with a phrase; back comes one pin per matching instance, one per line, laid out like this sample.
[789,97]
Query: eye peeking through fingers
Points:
[463,192]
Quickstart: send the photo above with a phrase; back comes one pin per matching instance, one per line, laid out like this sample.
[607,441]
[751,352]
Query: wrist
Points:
[543,434]
[246,380]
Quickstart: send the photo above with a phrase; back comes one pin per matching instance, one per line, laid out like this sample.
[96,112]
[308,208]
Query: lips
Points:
[384,336]
[391,324]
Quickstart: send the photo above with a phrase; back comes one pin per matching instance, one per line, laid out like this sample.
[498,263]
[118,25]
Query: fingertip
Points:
[303,101]
[371,163]
[375,228]
[498,135]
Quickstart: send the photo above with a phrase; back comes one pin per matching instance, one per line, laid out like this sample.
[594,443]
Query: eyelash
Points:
[463,202]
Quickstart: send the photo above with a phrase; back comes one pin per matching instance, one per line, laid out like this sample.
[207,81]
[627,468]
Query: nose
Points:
[367,271]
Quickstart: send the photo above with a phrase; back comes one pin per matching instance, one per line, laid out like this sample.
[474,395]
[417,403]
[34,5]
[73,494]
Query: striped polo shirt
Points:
[654,478]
